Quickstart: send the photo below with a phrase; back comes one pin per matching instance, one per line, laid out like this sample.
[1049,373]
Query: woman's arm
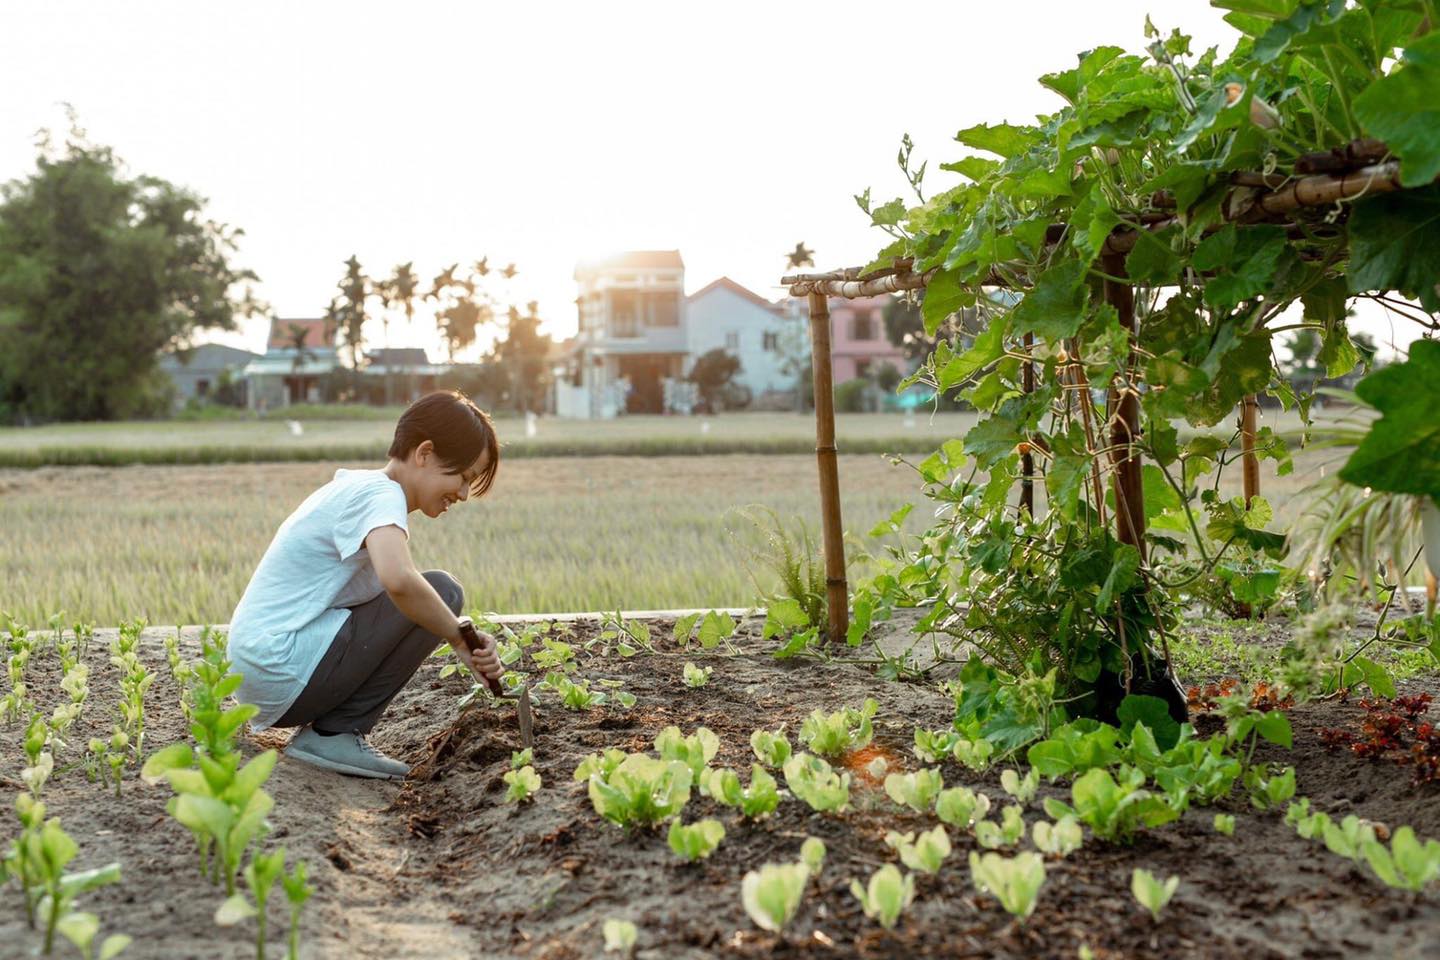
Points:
[414,597]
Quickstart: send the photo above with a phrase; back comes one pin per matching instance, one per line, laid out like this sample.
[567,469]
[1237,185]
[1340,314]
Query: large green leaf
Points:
[1055,308]
[1395,245]
[1401,453]
[988,347]
[1004,139]
[943,296]
[1403,109]
[1243,262]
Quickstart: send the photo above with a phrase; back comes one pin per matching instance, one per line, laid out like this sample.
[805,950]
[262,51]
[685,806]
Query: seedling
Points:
[961,807]
[932,746]
[771,748]
[886,896]
[297,890]
[756,802]
[812,854]
[523,784]
[1058,839]
[1022,789]
[771,895]
[1152,894]
[923,855]
[620,936]
[260,875]
[1008,832]
[1014,881]
[1269,789]
[1225,824]
[640,790]
[812,780]
[835,734]
[1408,864]
[522,758]
[573,695]
[916,790]
[1113,809]
[696,841]
[695,751]
[696,676]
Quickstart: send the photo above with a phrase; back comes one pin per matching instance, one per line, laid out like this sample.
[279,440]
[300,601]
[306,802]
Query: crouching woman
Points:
[336,619]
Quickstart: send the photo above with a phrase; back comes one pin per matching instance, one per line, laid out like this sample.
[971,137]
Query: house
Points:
[299,355]
[858,345]
[631,338]
[197,372]
[405,374]
[767,339]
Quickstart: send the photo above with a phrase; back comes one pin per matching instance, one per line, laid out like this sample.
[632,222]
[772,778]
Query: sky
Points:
[542,133]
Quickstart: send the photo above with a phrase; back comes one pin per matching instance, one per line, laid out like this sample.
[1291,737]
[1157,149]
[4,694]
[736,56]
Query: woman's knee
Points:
[448,587]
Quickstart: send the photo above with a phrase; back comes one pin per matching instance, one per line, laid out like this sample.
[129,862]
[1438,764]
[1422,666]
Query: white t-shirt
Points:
[316,566]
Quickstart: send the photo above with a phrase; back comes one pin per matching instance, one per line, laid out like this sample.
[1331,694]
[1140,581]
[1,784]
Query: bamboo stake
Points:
[1027,461]
[837,599]
[1249,462]
[1125,423]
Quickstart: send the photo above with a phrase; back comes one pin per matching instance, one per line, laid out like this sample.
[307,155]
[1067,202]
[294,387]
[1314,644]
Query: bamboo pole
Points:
[1124,416]
[1027,460]
[837,598]
[1249,462]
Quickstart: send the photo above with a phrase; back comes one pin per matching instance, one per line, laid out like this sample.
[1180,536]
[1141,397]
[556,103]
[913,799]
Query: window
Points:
[772,340]
[862,368]
[663,309]
[202,388]
[862,327]
[624,314]
[732,341]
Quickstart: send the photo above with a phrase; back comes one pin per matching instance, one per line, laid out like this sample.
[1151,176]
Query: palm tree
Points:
[354,289]
[402,287]
[298,334]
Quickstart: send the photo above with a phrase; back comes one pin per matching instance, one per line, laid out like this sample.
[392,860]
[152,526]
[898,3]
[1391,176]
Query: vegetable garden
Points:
[981,749]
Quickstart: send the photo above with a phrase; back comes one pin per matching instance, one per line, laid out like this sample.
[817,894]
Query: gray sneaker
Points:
[344,753]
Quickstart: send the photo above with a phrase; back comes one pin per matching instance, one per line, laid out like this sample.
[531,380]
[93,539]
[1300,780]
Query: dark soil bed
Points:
[439,867]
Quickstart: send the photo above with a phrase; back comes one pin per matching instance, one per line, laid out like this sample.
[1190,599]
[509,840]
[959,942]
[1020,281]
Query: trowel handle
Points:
[471,639]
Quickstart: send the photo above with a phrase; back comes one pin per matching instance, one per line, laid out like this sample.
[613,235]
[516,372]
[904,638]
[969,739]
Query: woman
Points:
[336,618]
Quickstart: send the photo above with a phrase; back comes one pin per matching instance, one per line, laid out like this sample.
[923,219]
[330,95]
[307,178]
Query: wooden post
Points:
[837,598]
[1249,463]
[1027,460]
[1125,422]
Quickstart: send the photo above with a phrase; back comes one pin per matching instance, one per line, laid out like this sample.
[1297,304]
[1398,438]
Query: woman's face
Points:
[436,488]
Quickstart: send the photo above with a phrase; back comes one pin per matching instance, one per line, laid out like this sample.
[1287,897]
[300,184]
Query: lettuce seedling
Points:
[641,790]
[916,790]
[974,754]
[696,676]
[771,895]
[522,758]
[923,855]
[1058,839]
[812,780]
[573,695]
[1268,789]
[1225,824]
[1408,863]
[932,746]
[1008,832]
[1014,881]
[695,751]
[961,807]
[886,896]
[1076,747]
[1114,810]
[835,734]
[723,786]
[523,784]
[696,841]
[771,748]
[1023,790]
[1152,893]
[601,763]
[620,936]
[812,854]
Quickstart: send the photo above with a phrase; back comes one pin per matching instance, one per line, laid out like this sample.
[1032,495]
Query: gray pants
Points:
[375,653]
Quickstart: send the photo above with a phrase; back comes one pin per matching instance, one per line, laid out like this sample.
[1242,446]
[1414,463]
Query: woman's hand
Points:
[483,660]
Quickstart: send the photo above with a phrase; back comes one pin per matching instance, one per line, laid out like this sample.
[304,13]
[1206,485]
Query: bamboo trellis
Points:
[1255,198]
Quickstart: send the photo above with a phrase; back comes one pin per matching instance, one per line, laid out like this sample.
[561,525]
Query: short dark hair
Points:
[459,431]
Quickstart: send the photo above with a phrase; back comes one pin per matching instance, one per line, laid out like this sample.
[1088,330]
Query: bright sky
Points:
[544,132]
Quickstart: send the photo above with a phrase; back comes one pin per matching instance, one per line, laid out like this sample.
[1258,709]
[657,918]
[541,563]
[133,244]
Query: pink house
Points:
[858,345]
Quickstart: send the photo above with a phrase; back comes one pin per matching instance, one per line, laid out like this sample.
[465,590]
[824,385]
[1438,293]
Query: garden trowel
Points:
[471,639]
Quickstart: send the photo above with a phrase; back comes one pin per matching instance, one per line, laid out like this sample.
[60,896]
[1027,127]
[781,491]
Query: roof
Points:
[207,356]
[285,366]
[635,260]
[314,332]
[725,283]
[399,356]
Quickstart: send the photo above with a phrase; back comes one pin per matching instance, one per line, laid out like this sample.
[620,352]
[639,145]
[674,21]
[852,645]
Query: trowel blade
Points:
[527,727]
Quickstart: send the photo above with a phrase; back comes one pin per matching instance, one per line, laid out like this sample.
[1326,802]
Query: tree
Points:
[523,355]
[297,335]
[712,373]
[905,328]
[351,313]
[100,272]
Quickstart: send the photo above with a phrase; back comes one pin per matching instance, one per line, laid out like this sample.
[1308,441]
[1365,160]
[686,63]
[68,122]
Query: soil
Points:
[438,866]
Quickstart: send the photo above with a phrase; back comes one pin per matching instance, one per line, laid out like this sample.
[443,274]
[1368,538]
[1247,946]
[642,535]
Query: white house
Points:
[724,315]
[631,339]
[287,374]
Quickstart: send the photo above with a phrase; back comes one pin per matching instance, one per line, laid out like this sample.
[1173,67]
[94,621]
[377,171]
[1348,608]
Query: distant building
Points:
[197,372]
[406,373]
[725,315]
[858,345]
[630,339]
[287,374]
